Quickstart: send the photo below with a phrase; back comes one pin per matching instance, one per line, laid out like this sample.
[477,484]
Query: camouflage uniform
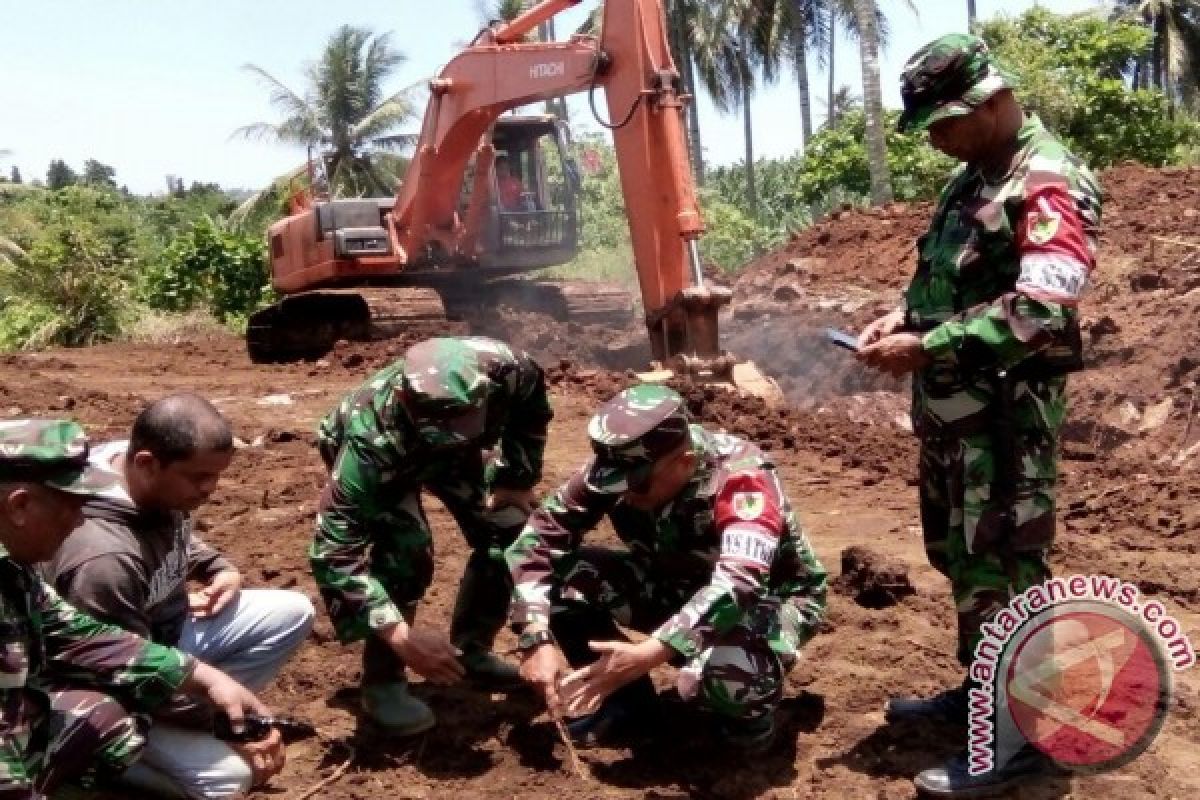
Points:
[723,574]
[999,273]
[425,422]
[46,736]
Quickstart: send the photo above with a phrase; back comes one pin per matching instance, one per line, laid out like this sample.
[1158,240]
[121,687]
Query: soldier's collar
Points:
[1021,145]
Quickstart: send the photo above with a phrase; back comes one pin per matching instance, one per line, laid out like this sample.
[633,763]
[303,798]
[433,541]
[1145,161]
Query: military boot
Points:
[949,706]
[490,672]
[750,736]
[385,695]
[953,779]
[479,612]
[394,709]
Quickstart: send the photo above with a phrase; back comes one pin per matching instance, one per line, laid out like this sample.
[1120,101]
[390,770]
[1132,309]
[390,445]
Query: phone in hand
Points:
[842,339]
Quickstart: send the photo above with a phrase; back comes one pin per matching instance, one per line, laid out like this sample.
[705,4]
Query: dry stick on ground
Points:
[576,764]
[337,773]
[1187,430]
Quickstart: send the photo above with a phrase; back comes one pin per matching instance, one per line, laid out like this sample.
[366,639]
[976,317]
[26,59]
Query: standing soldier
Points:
[49,737]
[717,570]
[425,422]
[989,328]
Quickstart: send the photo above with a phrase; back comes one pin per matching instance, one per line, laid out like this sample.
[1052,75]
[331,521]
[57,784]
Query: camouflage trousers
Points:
[402,558]
[84,736]
[991,544]
[740,676]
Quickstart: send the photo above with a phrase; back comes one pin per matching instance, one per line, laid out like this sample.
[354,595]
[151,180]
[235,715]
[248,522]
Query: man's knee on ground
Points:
[741,682]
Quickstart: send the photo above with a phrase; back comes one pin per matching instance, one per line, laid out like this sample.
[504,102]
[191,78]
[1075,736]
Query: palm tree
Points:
[345,112]
[785,30]
[868,45]
[1173,63]
[843,102]
[726,57]
[971,15]
[841,14]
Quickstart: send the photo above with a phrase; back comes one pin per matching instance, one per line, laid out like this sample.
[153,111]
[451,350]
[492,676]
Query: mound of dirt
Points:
[873,580]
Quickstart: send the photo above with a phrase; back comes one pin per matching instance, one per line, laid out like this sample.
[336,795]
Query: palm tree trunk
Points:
[681,50]
[801,67]
[829,120]
[748,134]
[868,39]
[1160,35]
[971,15]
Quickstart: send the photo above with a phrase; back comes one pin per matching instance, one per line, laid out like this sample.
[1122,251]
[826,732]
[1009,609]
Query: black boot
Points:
[953,780]
[949,706]
[479,611]
[621,714]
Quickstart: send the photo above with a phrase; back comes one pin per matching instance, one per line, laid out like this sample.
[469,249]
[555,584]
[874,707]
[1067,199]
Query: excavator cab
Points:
[533,220]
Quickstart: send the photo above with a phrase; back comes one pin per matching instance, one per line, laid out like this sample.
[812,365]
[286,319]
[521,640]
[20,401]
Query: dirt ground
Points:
[1129,506]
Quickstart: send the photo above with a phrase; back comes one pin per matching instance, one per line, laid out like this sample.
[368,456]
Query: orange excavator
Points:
[488,195]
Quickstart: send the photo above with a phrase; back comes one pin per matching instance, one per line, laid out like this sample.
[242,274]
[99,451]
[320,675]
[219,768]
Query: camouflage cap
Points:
[52,452]
[632,431]
[949,77]
[445,391]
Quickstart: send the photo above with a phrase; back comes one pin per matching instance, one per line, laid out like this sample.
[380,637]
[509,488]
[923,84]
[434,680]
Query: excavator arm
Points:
[631,61]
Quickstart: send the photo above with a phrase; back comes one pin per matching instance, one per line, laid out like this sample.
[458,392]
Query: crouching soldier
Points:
[425,422]
[717,570]
[49,737]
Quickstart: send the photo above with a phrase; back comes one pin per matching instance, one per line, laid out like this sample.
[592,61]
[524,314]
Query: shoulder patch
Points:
[748,505]
[1042,223]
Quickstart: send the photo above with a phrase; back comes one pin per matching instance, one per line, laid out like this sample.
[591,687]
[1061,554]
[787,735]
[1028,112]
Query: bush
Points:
[836,162]
[208,267]
[1070,71]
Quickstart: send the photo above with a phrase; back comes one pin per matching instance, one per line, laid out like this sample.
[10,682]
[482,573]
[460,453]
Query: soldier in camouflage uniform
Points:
[989,328]
[426,422]
[717,570]
[48,737]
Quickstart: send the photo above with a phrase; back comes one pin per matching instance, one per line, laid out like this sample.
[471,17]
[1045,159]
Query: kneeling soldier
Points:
[717,569]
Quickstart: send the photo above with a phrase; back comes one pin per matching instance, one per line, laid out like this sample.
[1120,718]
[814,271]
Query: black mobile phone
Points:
[842,339]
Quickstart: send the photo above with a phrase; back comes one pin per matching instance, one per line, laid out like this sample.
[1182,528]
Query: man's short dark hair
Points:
[178,426]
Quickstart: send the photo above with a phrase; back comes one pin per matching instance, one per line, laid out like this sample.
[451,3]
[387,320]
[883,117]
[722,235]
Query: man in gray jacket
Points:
[130,564]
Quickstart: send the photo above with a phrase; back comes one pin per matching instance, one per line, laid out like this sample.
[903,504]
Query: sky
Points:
[156,87]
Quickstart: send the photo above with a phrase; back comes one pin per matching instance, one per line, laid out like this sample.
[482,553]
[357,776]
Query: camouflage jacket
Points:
[1000,271]
[377,455]
[729,545]
[43,640]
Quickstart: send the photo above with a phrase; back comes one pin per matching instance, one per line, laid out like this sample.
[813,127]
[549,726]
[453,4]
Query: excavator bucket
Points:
[684,340]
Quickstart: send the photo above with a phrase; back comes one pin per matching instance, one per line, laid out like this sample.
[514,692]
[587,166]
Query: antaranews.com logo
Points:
[1081,668]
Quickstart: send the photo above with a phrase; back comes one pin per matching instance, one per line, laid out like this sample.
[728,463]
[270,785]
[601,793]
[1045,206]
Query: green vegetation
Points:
[1075,73]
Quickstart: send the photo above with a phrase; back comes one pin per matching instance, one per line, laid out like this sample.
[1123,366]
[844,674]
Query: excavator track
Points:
[307,325]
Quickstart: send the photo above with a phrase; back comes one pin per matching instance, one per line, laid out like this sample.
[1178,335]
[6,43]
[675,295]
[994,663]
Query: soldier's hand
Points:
[266,757]
[892,322]
[619,663]
[542,668]
[896,355]
[224,692]
[427,653]
[524,500]
[219,592]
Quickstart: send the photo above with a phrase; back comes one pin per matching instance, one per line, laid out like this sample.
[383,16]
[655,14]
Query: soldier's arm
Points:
[523,441]
[112,588]
[83,650]
[353,498]
[750,520]
[1056,238]
[553,530]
